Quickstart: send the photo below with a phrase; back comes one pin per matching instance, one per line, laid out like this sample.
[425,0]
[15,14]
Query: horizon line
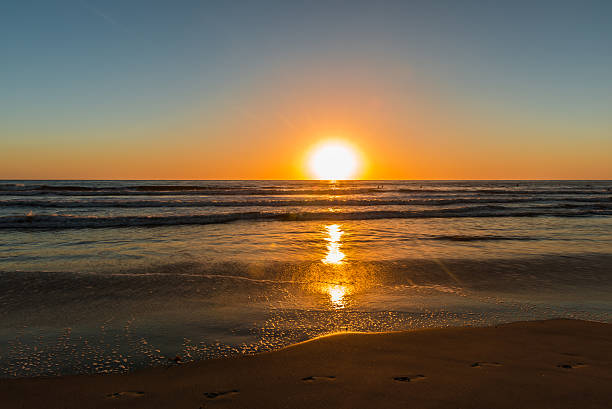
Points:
[320,180]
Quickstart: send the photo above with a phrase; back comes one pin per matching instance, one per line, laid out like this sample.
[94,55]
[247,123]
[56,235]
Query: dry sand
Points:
[540,364]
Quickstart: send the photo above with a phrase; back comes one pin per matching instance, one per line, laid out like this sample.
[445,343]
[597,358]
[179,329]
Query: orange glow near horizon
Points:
[284,152]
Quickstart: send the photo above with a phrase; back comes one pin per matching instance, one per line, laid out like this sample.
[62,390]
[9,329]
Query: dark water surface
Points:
[108,276]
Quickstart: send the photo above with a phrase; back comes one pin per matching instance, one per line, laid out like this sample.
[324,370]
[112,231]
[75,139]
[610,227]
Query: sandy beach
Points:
[539,364]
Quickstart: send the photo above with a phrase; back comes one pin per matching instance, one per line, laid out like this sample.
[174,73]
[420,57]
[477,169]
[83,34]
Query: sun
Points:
[333,160]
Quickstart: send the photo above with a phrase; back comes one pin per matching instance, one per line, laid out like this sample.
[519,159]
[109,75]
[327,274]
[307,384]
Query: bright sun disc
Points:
[333,161]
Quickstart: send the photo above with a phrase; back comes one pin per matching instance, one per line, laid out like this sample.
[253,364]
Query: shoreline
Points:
[554,363]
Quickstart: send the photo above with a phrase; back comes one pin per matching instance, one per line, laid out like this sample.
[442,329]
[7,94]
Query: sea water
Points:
[109,276]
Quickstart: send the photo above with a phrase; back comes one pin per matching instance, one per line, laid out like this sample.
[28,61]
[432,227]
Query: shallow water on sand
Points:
[100,277]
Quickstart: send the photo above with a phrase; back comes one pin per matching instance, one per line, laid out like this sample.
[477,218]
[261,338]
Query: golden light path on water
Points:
[334,255]
[334,258]
[336,294]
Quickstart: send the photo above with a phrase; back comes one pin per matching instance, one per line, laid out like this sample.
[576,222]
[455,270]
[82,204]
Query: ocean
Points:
[111,276]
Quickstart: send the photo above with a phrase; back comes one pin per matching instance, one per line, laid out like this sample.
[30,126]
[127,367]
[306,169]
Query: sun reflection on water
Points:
[334,255]
[336,293]
[334,258]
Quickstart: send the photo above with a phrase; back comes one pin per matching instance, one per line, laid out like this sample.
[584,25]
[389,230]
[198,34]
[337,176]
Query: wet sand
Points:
[538,364]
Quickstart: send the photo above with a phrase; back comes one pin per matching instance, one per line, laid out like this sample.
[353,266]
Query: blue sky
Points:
[77,75]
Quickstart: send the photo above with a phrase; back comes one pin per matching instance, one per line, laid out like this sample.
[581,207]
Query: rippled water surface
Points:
[108,276]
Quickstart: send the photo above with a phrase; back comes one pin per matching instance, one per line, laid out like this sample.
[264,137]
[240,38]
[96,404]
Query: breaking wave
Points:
[55,221]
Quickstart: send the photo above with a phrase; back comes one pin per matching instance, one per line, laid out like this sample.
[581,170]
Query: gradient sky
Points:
[242,90]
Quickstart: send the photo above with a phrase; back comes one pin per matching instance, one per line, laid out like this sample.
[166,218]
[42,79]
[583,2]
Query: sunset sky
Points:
[244,90]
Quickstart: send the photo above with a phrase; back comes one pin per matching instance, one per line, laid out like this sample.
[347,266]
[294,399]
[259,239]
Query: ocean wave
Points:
[139,190]
[21,189]
[55,221]
[101,203]
[486,272]
[480,238]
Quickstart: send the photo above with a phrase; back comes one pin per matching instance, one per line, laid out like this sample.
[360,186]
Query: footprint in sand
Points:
[217,395]
[318,378]
[125,394]
[481,364]
[572,366]
[410,378]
